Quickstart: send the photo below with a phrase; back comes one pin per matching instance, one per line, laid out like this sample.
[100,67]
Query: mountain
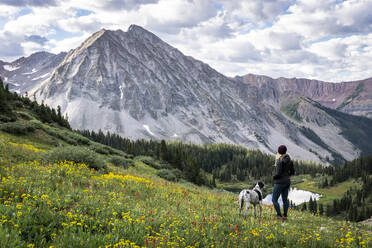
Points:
[25,73]
[350,97]
[135,84]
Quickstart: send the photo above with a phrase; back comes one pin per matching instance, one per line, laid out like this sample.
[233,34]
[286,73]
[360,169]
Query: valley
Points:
[58,189]
[143,88]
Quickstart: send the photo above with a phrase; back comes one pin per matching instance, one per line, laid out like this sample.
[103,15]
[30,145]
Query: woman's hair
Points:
[282,149]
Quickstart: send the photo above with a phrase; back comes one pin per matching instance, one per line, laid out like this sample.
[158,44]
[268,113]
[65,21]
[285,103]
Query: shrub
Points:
[149,161]
[99,149]
[170,175]
[18,128]
[7,118]
[81,140]
[121,161]
[24,116]
[113,151]
[75,154]
[36,124]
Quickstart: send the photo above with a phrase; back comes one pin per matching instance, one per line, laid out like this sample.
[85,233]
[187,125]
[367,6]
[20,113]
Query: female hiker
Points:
[283,171]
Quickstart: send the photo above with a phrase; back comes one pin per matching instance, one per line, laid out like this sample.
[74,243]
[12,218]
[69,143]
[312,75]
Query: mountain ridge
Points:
[352,97]
[141,87]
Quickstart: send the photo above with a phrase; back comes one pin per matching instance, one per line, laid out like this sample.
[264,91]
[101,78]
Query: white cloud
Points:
[39,22]
[88,24]
[66,45]
[7,11]
[327,40]
[256,11]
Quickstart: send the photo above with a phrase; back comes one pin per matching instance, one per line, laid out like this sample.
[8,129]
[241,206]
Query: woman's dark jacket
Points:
[284,170]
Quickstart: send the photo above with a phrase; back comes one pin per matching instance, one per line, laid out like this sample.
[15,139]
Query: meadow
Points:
[66,204]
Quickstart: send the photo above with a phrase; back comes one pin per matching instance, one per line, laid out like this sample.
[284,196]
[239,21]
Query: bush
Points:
[24,116]
[170,175]
[121,161]
[150,161]
[81,140]
[36,124]
[100,149]
[113,151]
[75,154]
[18,128]
[8,117]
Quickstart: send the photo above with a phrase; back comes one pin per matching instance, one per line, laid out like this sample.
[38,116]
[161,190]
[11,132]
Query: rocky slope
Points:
[350,97]
[25,73]
[134,84]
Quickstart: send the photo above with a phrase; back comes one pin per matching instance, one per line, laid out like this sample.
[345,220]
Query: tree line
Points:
[356,203]
[225,162]
[9,102]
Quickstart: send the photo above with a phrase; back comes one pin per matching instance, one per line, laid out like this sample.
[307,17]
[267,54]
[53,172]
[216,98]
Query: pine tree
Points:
[315,206]
[163,150]
[5,108]
[214,181]
[192,170]
[311,205]
[304,208]
[328,210]
[325,184]
[321,210]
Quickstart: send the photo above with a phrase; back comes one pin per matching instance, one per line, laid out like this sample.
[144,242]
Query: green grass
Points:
[355,94]
[328,193]
[235,187]
[291,110]
[69,205]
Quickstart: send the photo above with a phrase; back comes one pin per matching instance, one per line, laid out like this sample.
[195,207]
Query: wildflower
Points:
[270,236]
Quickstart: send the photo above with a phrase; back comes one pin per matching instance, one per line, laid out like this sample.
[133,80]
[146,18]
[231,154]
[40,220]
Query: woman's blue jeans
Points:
[281,189]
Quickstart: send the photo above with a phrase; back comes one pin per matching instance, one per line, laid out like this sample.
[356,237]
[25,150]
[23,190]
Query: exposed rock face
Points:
[134,84]
[25,73]
[137,80]
[350,97]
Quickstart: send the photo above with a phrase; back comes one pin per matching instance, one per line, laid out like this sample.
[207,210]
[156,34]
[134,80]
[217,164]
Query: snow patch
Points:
[42,76]
[10,68]
[148,130]
[121,92]
[32,72]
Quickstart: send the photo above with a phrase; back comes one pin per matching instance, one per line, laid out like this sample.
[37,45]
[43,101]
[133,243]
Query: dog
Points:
[253,196]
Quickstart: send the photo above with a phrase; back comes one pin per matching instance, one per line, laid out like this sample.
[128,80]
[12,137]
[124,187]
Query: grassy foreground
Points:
[70,205]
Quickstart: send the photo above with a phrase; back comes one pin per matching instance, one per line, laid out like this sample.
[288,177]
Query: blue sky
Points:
[330,40]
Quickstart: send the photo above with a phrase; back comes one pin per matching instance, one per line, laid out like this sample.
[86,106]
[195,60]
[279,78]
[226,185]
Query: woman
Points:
[283,171]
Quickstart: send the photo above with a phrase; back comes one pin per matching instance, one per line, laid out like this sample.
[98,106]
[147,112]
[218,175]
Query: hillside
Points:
[349,97]
[143,88]
[64,204]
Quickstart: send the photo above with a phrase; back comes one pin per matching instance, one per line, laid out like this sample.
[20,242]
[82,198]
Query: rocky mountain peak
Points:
[141,87]
[141,33]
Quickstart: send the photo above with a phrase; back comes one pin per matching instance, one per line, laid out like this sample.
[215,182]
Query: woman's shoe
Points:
[279,217]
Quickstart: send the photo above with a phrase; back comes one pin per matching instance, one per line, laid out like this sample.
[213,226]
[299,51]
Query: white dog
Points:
[253,196]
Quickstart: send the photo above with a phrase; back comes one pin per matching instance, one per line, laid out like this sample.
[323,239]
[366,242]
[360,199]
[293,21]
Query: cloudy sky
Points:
[321,39]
